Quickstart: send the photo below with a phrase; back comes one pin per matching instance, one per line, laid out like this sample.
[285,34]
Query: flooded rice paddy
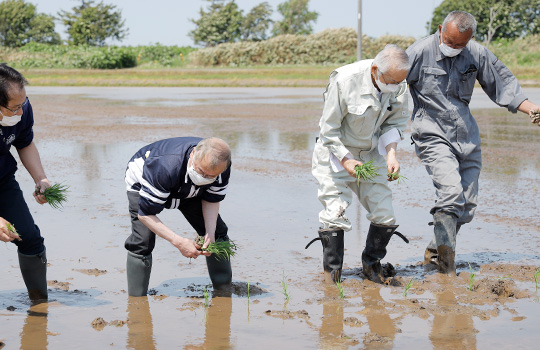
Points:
[86,136]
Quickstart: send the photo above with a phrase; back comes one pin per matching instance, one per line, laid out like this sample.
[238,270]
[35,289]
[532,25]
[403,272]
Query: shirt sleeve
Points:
[332,117]
[499,83]
[218,189]
[414,73]
[26,134]
[156,184]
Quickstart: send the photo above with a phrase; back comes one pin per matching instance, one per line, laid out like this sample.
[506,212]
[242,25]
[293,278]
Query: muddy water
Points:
[85,140]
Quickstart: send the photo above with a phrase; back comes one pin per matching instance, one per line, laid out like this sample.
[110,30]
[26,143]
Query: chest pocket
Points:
[361,119]
[467,78]
[435,81]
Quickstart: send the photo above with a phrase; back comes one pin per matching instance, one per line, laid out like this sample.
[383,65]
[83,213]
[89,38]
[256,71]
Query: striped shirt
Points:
[158,172]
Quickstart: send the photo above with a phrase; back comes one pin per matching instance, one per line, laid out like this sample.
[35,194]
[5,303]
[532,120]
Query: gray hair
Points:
[463,20]
[215,149]
[392,56]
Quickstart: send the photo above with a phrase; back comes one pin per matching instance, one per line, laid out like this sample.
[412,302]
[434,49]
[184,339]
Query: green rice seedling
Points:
[505,277]
[366,171]
[13,231]
[285,287]
[341,292]
[206,297]
[55,195]
[537,277]
[396,176]
[471,278]
[248,291]
[223,250]
[407,287]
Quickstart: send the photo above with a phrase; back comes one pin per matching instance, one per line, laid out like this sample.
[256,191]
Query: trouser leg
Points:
[140,245]
[31,250]
[219,270]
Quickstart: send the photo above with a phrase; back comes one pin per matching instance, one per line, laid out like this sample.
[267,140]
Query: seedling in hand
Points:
[222,249]
[366,171]
[396,176]
[13,231]
[408,286]
[54,195]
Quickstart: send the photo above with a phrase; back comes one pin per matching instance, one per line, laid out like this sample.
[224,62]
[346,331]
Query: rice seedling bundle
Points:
[223,250]
[55,195]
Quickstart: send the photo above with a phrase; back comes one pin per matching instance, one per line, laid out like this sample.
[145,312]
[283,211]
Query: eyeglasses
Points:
[388,81]
[203,174]
[14,111]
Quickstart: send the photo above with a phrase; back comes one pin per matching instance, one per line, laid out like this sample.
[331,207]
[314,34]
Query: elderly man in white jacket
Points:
[365,112]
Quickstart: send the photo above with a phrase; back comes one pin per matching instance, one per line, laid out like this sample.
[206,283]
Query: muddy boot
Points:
[220,273]
[445,229]
[333,251]
[376,242]
[430,255]
[138,269]
[34,273]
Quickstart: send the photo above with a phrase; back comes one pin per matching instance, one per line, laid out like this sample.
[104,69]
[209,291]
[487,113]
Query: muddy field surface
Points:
[85,141]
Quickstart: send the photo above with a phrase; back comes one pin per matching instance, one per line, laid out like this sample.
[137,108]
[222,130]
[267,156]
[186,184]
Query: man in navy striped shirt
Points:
[185,173]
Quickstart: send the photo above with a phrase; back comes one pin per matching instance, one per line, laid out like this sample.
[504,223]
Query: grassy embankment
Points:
[283,61]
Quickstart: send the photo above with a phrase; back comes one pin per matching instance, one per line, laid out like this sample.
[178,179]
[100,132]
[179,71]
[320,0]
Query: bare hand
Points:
[393,168]
[41,185]
[349,165]
[534,113]
[187,247]
[5,234]
[208,238]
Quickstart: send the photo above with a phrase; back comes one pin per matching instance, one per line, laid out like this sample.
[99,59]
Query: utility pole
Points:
[359,40]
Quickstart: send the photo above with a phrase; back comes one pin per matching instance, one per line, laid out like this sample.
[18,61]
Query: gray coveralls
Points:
[444,132]
[352,121]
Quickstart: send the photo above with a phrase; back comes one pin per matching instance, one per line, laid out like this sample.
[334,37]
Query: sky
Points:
[168,21]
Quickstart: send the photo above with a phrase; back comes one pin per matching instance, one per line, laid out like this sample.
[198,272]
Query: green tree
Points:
[297,19]
[257,22]
[20,24]
[93,24]
[221,23]
[496,18]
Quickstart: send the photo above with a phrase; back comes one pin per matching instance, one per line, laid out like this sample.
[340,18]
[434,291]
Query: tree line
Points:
[222,21]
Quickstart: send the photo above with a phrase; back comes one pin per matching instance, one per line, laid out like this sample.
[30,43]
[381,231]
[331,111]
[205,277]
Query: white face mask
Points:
[448,51]
[386,88]
[197,178]
[10,121]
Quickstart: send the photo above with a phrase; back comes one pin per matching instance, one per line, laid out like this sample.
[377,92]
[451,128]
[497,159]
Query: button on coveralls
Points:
[444,132]
[352,121]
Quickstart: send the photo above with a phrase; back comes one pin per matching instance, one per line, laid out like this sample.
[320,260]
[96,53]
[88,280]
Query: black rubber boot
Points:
[445,229]
[220,273]
[332,240]
[34,273]
[376,242]
[138,269]
[430,255]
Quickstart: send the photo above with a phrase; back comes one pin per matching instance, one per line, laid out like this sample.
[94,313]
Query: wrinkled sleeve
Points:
[156,183]
[332,117]
[499,83]
[397,117]
[414,73]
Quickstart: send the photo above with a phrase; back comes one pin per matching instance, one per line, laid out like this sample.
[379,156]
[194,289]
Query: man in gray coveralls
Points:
[444,69]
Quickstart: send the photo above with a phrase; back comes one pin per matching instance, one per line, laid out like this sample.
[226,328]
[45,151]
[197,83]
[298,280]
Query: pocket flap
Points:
[357,109]
[434,71]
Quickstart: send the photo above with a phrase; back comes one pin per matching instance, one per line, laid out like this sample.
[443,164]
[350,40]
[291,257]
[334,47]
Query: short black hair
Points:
[9,77]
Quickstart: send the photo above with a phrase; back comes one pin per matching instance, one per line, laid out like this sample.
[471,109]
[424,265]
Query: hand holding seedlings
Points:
[8,231]
[366,172]
[55,195]
[535,117]
[396,176]
[222,249]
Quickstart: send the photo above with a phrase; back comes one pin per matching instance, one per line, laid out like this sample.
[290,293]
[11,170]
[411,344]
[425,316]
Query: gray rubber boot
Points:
[332,240]
[138,269]
[34,273]
[430,255]
[220,272]
[377,239]
[445,229]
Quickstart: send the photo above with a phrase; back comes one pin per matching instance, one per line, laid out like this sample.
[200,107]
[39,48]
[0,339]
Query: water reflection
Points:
[34,331]
[140,325]
[217,331]
[382,327]
[452,330]
[331,329]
